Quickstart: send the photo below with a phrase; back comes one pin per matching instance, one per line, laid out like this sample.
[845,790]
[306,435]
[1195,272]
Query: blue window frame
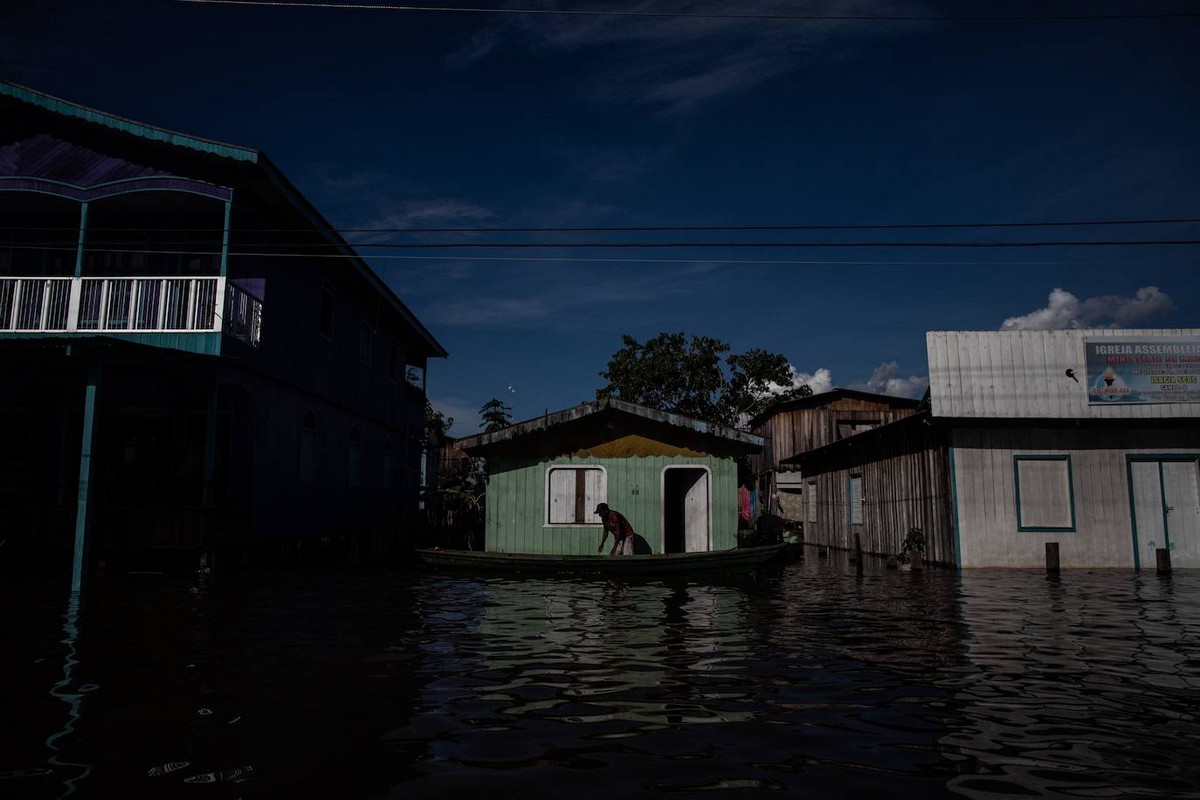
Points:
[1044,492]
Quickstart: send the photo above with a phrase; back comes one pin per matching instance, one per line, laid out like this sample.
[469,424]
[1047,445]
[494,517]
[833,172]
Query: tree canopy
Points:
[495,415]
[698,377]
[436,421]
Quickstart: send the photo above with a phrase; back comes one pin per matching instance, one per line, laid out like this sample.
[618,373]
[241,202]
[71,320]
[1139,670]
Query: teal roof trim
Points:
[58,106]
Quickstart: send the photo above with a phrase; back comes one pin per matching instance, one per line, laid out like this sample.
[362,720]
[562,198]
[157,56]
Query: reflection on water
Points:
[66,691]
[808,679]
[1083,686]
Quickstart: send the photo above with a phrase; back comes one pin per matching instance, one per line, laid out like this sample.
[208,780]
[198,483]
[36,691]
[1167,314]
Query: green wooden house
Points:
[675,479]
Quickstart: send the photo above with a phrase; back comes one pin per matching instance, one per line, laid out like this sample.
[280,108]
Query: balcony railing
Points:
[124,305]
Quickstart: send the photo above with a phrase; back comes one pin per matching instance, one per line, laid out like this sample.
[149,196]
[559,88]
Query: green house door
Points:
[1166,508]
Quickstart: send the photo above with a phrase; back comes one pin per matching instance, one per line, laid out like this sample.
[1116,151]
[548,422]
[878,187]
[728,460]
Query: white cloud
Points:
[491,311]
[884,380]
[820,380]
[1065,311]
[675,64]
[414,213]
[536,294]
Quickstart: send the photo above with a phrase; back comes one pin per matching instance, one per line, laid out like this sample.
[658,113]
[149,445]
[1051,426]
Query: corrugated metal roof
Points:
[68,109]
[583,411]
[1038,374]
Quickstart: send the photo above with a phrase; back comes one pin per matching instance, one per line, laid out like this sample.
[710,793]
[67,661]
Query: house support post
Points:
[1052,563]
[83,512]
[210,470]
[1163,558]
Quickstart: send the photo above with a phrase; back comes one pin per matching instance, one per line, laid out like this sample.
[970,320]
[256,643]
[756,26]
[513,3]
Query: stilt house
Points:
[191,359]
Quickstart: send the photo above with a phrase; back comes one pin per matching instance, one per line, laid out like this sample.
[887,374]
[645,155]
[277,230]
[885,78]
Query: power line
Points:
[603,260]
[696,15]
[740,245]
[639,228]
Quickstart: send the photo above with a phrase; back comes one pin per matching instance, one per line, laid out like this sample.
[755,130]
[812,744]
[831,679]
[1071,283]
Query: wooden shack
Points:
[674,479]
[1087,440]
[807,423]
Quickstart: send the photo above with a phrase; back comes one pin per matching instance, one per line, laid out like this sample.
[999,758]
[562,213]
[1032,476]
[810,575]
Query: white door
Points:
[695,515]
[1166,509]
[1181,496]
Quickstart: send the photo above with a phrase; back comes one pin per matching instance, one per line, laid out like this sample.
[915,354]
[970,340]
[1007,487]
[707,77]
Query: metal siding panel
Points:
[964,388]
[939,374]
[1015,398]
[1074,394]
[1031,352]
[989,369]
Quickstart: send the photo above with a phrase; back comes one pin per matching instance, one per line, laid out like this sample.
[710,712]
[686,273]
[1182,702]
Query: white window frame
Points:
[857,509]
[589,504]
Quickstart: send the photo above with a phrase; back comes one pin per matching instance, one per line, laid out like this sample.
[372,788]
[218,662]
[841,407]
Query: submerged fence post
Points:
[1052,562]
[1163,557]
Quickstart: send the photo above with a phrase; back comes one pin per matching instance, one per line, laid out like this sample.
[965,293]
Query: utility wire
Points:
[631,245]
[558,12]
[679,245]
[73,229]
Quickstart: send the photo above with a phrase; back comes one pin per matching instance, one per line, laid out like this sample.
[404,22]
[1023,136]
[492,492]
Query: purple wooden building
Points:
[192,361]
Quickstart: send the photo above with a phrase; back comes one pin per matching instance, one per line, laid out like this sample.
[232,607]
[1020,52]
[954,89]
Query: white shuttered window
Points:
[856,500]
[572,494]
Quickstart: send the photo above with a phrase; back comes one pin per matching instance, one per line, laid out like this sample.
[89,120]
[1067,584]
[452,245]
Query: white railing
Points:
[243,315]
[110,305]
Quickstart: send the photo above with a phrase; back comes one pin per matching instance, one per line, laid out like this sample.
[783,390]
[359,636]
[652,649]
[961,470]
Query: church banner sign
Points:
[1148,370]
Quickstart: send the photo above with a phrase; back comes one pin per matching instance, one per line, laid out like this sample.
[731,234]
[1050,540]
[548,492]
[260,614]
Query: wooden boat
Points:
[740,560]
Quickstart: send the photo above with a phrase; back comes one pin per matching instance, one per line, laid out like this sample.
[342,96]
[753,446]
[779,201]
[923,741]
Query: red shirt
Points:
[617,525]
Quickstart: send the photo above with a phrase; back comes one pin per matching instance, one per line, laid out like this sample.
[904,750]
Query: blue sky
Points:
[390,119]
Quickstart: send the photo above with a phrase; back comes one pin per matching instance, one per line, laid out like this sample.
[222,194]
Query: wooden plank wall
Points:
[516,500]
[790,433]
[1022,374]
[1103,536]
[906,483]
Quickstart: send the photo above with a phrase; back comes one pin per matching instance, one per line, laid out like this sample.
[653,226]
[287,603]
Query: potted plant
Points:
[913,548]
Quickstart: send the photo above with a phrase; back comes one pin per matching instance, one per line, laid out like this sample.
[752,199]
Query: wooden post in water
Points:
[858,553]
[1163,556]
[1052,562]
[917,560]
[85,498]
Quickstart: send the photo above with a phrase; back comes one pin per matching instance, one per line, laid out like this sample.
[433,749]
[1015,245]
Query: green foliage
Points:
[495,415]
[914,540]
[436,421]
[697,377]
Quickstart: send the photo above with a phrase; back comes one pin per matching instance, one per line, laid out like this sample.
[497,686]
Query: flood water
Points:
[806,680]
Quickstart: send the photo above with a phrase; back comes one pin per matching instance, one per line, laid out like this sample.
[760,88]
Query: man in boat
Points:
[615,523]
